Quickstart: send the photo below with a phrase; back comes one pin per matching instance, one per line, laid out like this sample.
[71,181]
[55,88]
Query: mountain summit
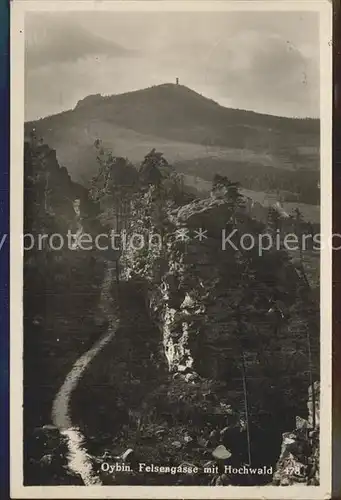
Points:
[180,122]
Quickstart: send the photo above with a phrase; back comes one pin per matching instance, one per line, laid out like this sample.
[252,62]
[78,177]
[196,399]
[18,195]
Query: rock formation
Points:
[299,459]
[218,360]
[230,315]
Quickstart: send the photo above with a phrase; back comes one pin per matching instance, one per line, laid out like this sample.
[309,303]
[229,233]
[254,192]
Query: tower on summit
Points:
[177,80]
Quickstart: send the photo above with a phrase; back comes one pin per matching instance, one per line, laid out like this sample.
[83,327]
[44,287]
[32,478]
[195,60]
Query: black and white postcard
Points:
[171,249]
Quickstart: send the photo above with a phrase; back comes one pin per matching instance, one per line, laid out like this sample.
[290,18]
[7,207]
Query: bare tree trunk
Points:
[246,406]
[311,378]
[310,360]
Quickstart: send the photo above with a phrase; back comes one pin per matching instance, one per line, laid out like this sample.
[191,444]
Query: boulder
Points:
[221,453]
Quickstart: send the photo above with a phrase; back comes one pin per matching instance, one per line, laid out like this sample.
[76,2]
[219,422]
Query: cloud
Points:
[58,40]
[259,61]
[270,73]
[255,70]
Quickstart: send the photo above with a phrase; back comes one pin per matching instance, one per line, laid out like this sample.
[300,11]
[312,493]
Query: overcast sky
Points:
[264,61]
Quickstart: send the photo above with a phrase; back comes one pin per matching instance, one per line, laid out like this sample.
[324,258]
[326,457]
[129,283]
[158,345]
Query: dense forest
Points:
[297,185]
[215,348]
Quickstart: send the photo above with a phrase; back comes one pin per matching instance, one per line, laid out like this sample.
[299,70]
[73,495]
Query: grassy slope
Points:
[74,146]
[182,124]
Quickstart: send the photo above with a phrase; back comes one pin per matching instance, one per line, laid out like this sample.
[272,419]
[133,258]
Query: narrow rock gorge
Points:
[217,342]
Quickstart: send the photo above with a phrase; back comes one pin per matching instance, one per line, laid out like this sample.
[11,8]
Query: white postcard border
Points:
[18,9]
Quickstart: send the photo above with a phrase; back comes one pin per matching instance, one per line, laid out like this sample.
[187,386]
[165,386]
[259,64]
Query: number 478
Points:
[294,470]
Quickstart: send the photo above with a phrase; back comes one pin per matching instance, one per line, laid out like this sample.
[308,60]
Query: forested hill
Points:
[182,124]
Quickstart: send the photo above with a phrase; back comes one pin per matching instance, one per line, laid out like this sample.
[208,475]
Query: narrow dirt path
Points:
[79,460]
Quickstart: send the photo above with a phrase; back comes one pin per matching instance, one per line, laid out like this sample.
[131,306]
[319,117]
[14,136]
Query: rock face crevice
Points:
[232,316]
[204,284]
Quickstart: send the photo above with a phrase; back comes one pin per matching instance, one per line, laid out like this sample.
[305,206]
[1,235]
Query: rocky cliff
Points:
[61,289]
[231,315]
[299,459]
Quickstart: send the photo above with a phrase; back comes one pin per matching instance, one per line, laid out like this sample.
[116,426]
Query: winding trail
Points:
[78,459]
